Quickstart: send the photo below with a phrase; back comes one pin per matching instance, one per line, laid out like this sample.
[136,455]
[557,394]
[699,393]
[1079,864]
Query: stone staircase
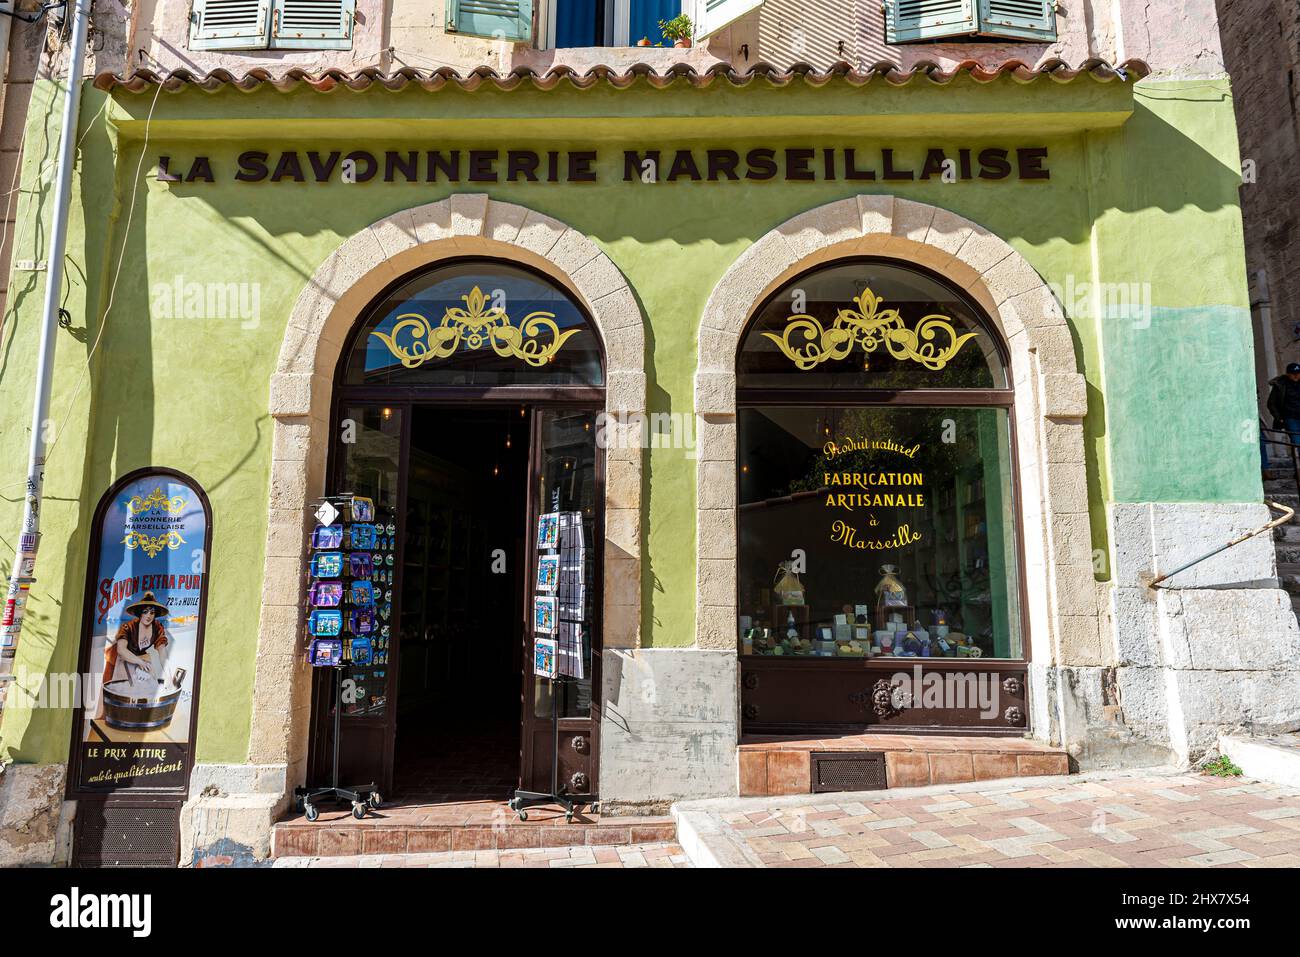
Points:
[1280,487]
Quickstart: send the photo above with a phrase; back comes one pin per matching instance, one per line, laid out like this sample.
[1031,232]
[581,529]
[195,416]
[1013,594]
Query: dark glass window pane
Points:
[845,492]
[476,323]
[879,325]
[567,483]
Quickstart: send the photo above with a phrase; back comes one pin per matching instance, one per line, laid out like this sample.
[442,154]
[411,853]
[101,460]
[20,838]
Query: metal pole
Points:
[23,572]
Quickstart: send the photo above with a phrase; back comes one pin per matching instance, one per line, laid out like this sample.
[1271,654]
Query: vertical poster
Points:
[143,635]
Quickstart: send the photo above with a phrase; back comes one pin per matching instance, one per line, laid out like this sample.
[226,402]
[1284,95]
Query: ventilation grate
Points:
[848,771]
[126,835]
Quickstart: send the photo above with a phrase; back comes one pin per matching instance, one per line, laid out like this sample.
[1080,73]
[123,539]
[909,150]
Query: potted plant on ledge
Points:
[678,29]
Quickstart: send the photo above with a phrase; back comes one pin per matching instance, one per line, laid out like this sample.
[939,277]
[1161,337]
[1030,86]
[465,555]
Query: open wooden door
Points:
[566,476]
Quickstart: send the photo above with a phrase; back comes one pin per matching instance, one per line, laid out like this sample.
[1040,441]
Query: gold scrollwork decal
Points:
[414,340]
[151,545]
[869,326]
[156,499]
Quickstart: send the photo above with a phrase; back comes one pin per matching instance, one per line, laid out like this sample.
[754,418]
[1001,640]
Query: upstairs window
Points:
[589,23]
[913,21]
[272,24]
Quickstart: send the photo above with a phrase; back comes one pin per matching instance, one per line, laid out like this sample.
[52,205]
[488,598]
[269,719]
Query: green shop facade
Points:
[868,403]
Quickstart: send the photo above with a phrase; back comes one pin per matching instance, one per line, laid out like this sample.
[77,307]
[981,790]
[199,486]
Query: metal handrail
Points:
[1290,514]
[1291,444]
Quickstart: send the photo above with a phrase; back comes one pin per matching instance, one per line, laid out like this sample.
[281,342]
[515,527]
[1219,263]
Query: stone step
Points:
[772,765]
[1289,499]
[1289,532]
[1288,574]
[471,826]
[1273,759]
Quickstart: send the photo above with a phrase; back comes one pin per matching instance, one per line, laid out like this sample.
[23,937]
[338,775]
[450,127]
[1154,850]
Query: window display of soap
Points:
[889,627]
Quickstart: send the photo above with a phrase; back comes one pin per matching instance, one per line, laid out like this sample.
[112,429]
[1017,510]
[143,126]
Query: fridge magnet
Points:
[361,621]
[327,536]
[544,614]
[326,594]
[327,564]
[361,535]
[363,593]
[362,653]
[325,623]
[359,565]
[548,572]
[325,652]
[363,509]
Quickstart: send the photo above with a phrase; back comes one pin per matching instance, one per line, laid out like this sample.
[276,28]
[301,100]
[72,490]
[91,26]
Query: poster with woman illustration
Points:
[146,612]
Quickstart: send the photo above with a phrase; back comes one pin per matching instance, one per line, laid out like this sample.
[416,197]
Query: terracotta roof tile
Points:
[640,73]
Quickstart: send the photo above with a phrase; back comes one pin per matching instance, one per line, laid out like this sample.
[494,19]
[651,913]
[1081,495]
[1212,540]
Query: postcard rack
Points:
[349,559]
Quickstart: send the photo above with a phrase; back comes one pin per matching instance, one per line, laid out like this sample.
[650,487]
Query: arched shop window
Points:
[475,323]
[876,479]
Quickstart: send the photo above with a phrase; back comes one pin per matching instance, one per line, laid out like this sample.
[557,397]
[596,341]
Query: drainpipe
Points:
[22,575]
[6,8]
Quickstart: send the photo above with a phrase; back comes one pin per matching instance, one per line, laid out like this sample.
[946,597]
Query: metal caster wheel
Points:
[375,800]
[523,815]
[568,817]
[358,809]
[310,811]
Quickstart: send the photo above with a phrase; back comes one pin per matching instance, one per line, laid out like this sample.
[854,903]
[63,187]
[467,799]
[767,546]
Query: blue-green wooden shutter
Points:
[493,19]
[908,20]
[1022,19]
[312,24]
[230,24]
[712,15]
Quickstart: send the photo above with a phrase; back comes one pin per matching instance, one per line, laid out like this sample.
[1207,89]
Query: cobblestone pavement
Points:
[633,855]
[1100,820]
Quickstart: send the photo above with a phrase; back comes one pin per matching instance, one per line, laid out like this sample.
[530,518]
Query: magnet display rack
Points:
[349,607]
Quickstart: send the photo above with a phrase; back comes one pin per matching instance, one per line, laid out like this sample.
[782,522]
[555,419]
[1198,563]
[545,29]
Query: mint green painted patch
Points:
[1182,427]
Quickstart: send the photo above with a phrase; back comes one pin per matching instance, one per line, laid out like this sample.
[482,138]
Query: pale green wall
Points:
[192,394]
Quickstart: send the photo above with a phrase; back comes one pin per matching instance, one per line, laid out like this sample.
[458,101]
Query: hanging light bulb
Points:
[507,440]
[496,470]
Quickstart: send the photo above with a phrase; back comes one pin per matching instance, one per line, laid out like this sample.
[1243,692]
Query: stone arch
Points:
[1063,617]
[333,300]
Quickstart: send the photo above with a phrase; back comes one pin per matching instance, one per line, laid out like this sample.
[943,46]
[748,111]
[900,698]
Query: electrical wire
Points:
[112,290]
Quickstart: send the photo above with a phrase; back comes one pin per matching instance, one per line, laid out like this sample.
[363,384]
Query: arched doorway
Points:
[878,545]
[465,404]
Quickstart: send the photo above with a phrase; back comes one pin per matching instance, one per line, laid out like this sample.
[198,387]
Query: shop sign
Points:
[639,167]
[142,645]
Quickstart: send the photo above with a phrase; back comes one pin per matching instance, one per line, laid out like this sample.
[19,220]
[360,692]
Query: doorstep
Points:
[1275,758]
[414,828]
[774,764]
